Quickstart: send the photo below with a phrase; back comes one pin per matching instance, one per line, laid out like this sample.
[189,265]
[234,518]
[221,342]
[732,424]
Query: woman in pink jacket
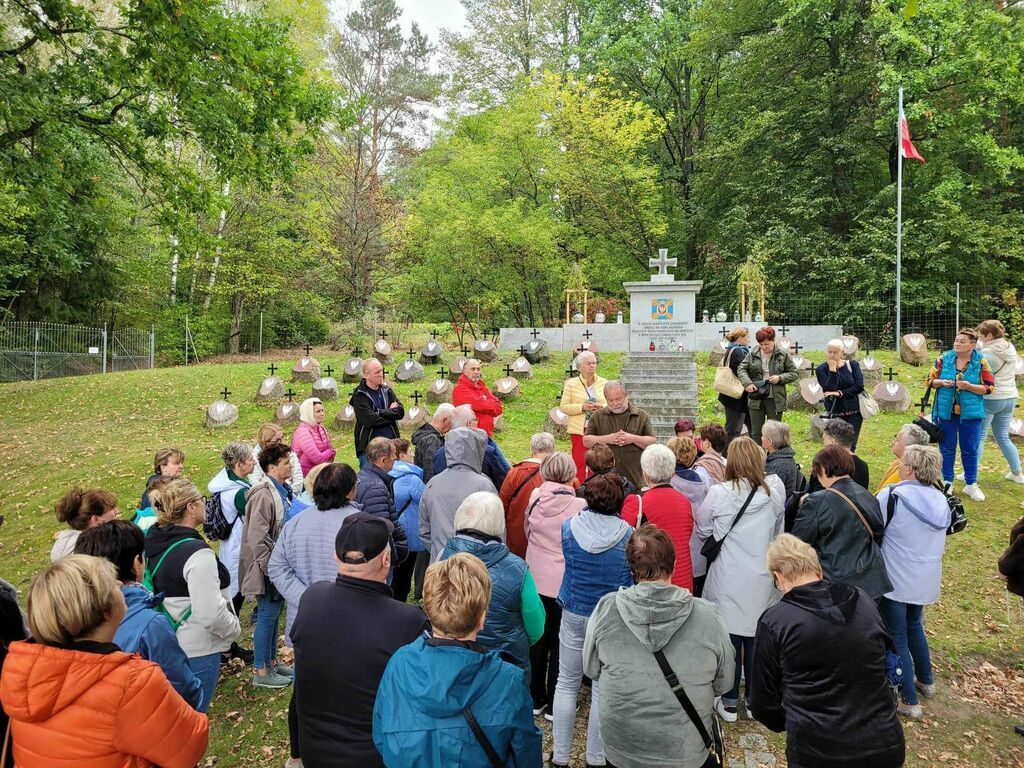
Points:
[311,442]
[551,504]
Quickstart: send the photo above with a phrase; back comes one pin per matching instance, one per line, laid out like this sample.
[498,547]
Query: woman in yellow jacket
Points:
[582,395]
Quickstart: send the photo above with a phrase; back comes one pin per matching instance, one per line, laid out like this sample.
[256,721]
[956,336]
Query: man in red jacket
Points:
[470,390]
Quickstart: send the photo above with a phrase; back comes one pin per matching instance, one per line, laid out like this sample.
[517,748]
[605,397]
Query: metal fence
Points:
[33,351]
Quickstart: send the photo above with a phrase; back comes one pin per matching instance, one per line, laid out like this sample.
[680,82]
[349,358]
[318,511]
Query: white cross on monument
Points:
[663,262]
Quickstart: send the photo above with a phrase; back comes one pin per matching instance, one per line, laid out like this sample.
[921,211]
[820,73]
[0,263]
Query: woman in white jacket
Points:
[194,583]
[738,581]
[917,516]
[1002,360]
[231,484]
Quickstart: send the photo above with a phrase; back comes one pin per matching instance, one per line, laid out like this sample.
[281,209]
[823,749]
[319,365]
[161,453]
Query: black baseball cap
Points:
[363,532]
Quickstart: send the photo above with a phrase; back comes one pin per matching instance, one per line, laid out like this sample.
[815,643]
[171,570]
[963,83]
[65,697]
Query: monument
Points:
[271,387]
[353,368]
[287,412]
[307,369]
[659,370]
[221,413]
[409,370]
[326,388]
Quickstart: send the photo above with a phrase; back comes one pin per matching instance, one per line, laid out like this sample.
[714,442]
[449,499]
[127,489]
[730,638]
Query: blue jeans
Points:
[264,639]
[966,431]
[744,655]
[998,414]
[906,627]
[207,669]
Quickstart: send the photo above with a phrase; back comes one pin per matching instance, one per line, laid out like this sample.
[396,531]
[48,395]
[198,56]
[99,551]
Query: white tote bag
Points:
[868,404]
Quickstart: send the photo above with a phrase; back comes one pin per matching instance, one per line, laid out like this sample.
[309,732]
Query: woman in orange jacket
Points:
[74,698]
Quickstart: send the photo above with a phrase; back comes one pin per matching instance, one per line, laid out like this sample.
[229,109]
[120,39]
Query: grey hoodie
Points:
[464,451]
[1002,361]
[597,533]
[642,722]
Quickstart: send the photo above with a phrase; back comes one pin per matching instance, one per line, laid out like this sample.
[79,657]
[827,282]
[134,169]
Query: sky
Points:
[432,15]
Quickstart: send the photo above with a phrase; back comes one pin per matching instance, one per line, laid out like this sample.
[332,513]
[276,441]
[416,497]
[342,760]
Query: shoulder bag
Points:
[957,513]
[726,382]
[492,756]
[713,741]
[856,509]
[712,547]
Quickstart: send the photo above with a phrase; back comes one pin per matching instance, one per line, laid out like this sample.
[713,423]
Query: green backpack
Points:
[147,581]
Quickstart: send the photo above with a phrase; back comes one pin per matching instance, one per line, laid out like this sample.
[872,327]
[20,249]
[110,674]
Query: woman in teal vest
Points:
[515,614]
[961,378]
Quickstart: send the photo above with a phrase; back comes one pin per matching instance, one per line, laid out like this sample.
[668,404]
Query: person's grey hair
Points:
[462,415]
[444,411]
[835,344]
[379,448]
[482,511]
[558,468]
[542,442]
[615,384]
[658,463]
[470,360]
[926,461]
[235,453]
[840,431]
[584,356]
[368,362]
[914,435]
[777,433]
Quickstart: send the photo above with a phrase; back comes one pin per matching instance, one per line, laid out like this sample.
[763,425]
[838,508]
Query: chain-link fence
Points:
[872,316]
[33,351]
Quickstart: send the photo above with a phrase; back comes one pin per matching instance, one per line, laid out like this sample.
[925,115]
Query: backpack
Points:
[147,581]
[957,513]
[216,525]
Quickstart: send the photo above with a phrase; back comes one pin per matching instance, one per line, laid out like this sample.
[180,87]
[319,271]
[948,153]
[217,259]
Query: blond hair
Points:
[790,557]
[165,455]
[456,593]
[171,501]
[558,468]
[71,598]
[685,450]
[737,333]
[312,475]
[746,462]
[266,434]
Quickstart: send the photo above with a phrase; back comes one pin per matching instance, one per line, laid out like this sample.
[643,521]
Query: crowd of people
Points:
[704,579]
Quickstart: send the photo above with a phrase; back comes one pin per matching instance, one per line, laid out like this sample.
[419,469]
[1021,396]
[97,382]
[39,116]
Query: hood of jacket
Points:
[160,537]
[465,446]
[306,410]
[454,678]
[64,535]
[41,681]
[685,473]
[138,599]
[1000,348]
[490,552]
[780,454]
[597,533]
[553,499]
[404,469]
[834,603]
[223,481]
[653,612]
[928,503]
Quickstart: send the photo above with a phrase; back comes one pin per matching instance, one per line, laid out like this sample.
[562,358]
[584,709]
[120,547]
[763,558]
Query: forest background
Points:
[230,161]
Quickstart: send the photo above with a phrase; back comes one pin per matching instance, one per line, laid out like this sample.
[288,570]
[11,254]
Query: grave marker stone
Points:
[353,368]
[381,348]
[346,417]
[271,387]
[306,370]
[521,368]
[914,349]
[440,389]
[326,388]
[287,412]
[891,395]
[409,370]
[484,350]
[221,413]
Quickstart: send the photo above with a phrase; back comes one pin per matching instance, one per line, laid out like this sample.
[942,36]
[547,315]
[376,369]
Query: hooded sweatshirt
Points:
[625,630]
[915,540]
[819,675]
[1002,360]
[417,718]
[90,705]
[64,544]
[594,547]
[408,488]
[464,450]
[550,505]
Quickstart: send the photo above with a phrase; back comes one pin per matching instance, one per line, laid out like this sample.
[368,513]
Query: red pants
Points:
[579,456]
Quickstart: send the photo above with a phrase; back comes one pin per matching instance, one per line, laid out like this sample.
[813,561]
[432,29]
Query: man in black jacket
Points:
[377,408]
[344,634]
[429,439]
[819,669]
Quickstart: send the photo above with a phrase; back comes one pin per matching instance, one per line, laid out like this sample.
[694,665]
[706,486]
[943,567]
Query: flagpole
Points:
[899,221]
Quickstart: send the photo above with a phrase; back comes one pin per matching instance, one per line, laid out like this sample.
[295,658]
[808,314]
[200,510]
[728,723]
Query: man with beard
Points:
[622,427]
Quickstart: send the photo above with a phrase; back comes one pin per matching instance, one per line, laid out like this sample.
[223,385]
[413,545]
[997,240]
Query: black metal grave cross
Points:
[783,329]
[416,396]
[433,334]
[795,346]
[535,333]
[723,330]
[328,370]
[410,353]
[569,372]
[308,349]
[508,370]
[224,393]
[465,350]
[522,350]
[272,368]
[441,372]
[890,374]
[290,394]
[357,352]
[587,335]
[384,333]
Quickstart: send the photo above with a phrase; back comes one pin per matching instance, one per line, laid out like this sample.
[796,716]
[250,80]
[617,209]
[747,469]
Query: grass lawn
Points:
[103,430]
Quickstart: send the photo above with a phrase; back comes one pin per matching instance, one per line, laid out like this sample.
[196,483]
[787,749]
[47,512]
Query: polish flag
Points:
[907,148]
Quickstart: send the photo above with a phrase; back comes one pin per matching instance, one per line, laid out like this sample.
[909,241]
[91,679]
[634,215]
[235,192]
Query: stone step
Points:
[667,377]
[660,398]
[647,364]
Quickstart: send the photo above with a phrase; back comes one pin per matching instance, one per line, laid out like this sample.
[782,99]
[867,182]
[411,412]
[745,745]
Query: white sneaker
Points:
[728,714]
[974,492]
[1018,478]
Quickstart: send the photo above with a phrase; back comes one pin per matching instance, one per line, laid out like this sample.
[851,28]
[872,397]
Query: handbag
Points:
[868,404]
[713,742]
[481,737]
[763,388]
[726,382]
[934,430]
[711,548]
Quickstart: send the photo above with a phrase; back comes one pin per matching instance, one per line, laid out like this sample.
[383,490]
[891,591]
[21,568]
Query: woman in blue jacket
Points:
[145,629]
[842,382]
[408,487]
[437,688]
